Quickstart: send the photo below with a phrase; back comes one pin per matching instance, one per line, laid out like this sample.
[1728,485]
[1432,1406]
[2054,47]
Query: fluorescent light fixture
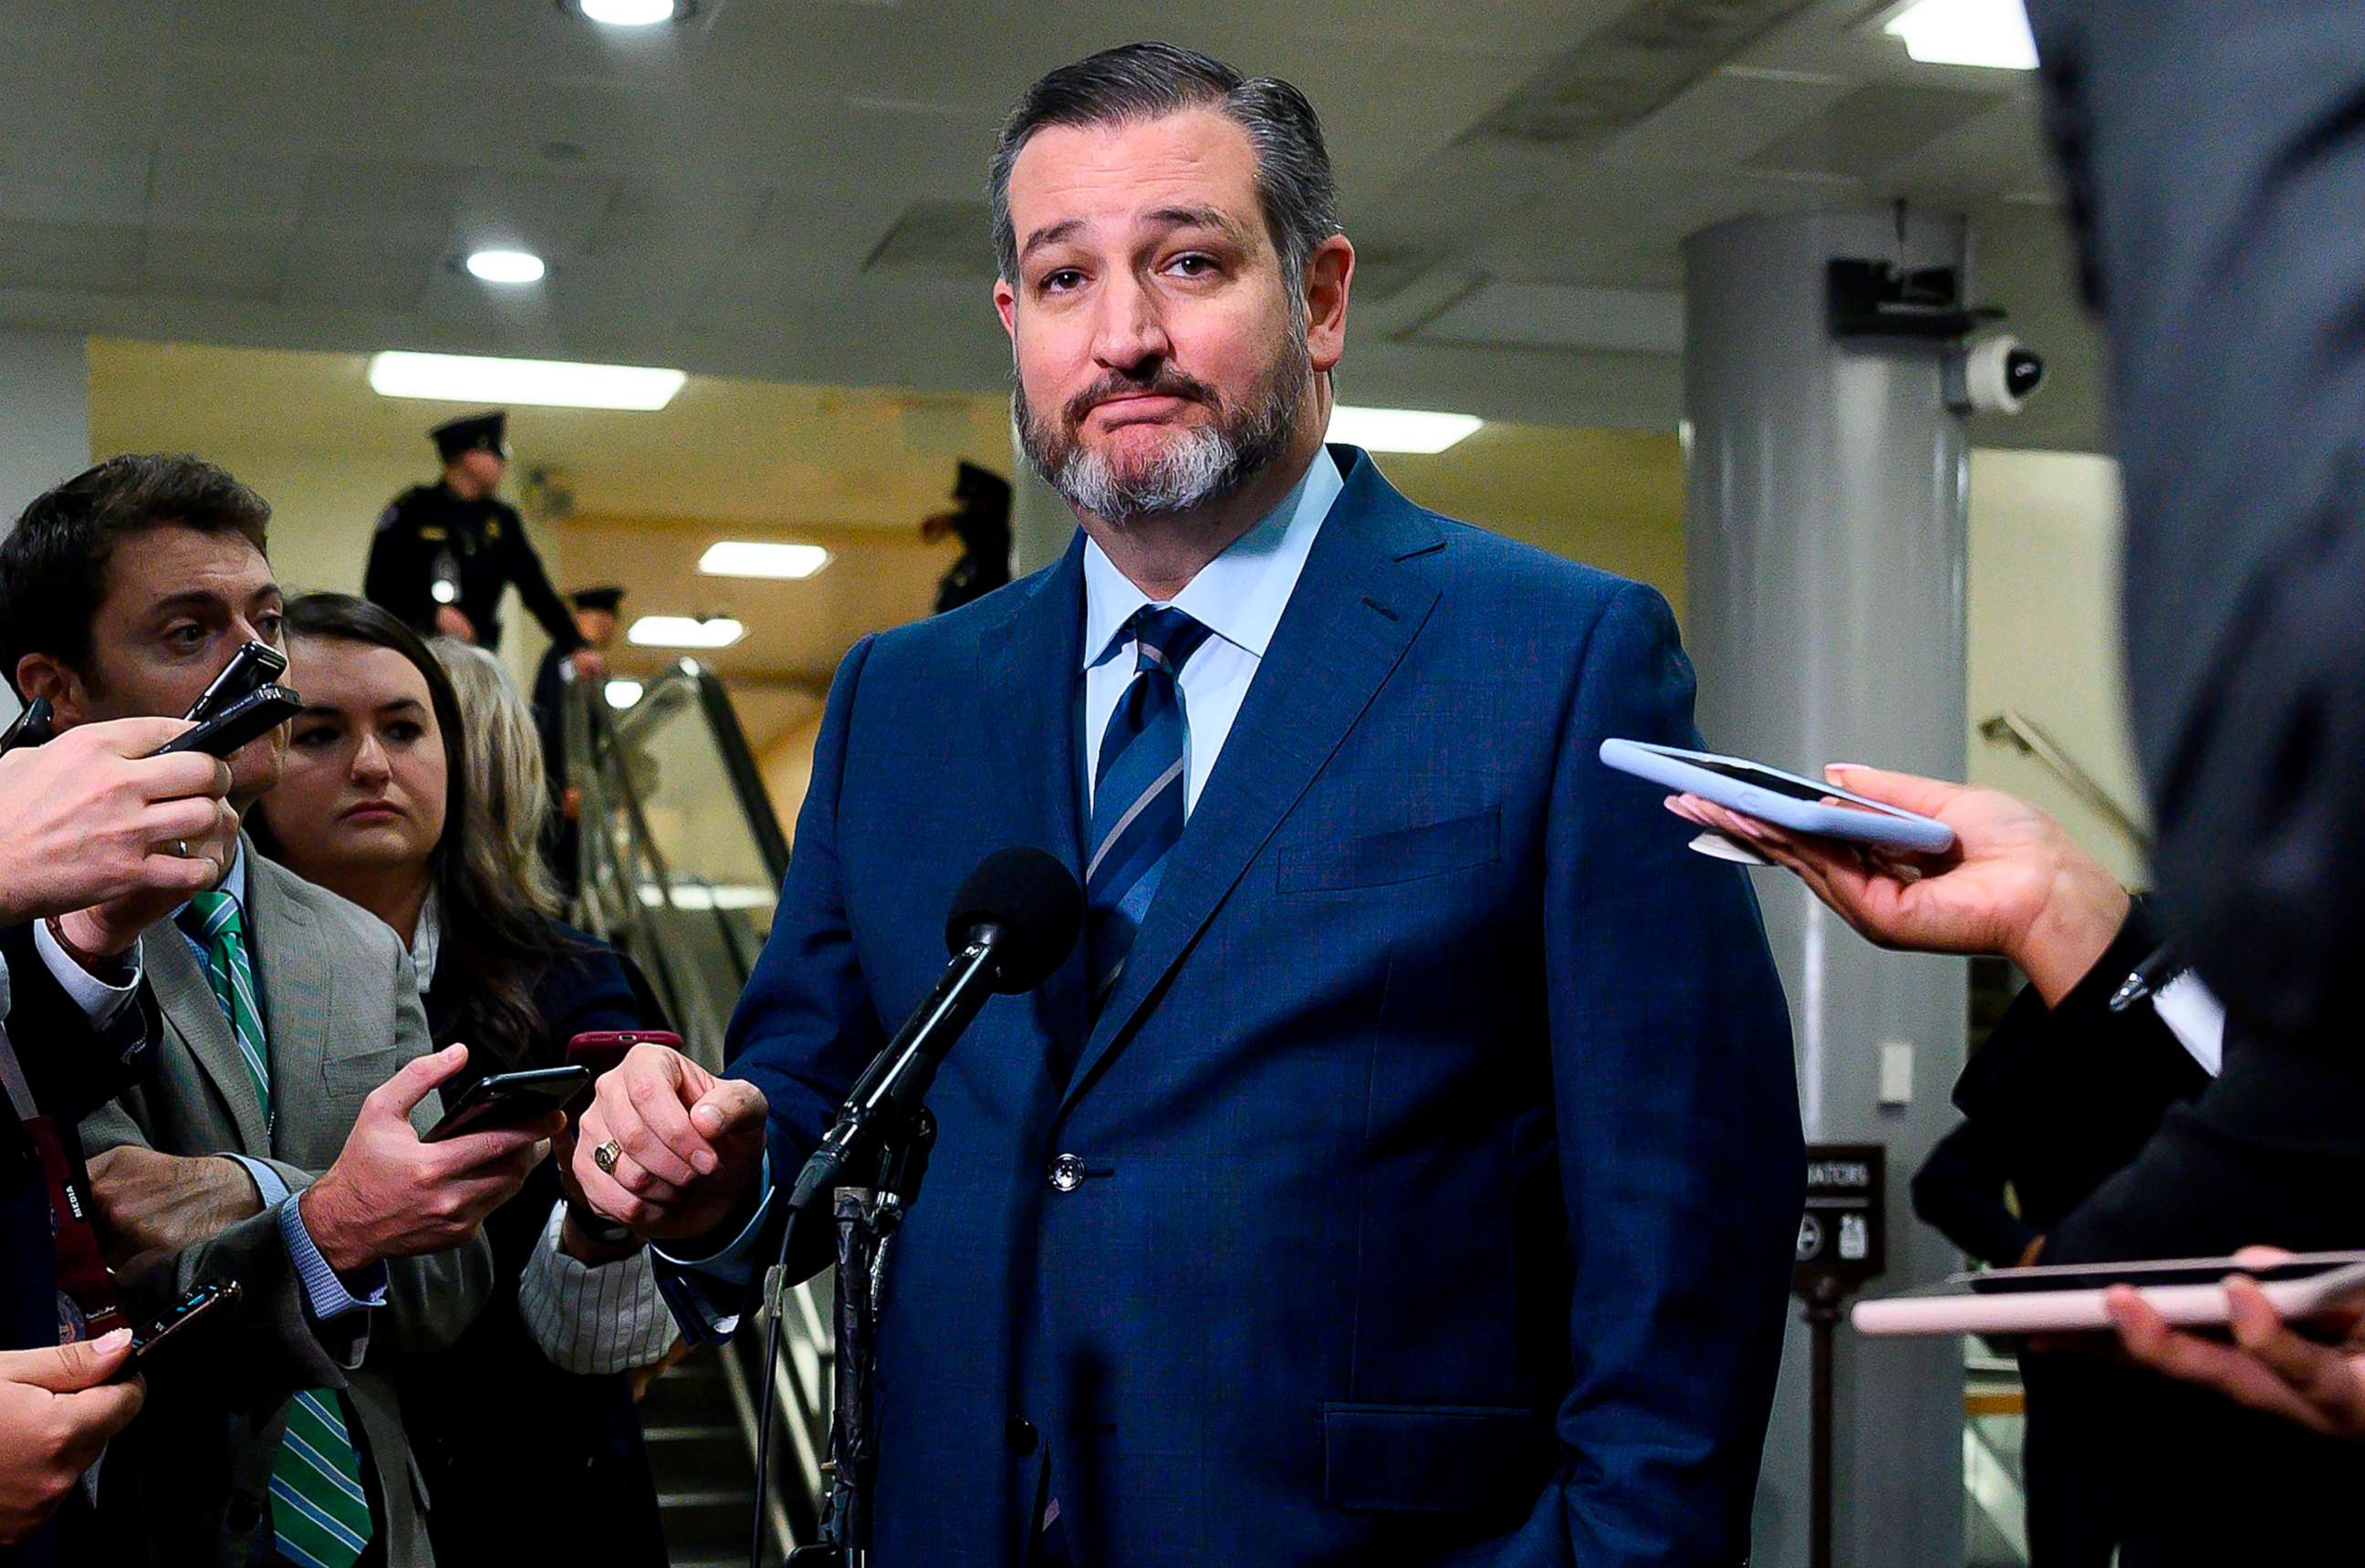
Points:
[505,266]
[624,693]
[1992,33]
[628,13]
[747,558]
[1400,429]
[546,382]
[685,632]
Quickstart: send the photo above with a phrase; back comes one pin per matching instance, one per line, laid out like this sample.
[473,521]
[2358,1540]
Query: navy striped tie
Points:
[1137,791]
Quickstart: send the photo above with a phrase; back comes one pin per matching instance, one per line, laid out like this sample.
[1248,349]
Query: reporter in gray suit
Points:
[295,1045]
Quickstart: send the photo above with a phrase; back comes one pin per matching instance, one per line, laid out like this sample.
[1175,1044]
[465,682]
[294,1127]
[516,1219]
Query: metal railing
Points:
[648,881]
[2028,737]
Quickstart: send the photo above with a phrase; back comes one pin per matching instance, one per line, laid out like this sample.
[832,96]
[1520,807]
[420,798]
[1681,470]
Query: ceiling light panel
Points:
[505,266]
[1991,33]
[750,558]
[685,632]
[1400,429]
[541,383]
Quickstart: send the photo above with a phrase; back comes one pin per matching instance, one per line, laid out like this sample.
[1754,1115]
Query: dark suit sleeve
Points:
[2065,1096]
[1678,1142]
[805,1024]
[72,1068]
[2217,154]
[534,586]
[1960,1191]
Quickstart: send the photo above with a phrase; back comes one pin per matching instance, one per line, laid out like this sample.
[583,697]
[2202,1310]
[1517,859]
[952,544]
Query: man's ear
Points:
[45,675]
[1005,305]
[1328,270]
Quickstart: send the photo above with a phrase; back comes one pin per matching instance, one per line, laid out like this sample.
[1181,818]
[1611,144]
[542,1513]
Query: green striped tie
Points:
[319,1515]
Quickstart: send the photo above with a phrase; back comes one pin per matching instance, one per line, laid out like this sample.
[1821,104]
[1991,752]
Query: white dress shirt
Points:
[1238,597]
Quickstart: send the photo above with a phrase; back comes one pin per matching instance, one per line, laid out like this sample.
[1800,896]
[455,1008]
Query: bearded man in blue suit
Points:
[1406,1165]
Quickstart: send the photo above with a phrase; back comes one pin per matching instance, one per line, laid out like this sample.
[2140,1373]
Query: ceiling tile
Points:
[71,258]
[1870,129]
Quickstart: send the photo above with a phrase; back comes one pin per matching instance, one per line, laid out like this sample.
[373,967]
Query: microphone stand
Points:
[867,1218]
[883,1133]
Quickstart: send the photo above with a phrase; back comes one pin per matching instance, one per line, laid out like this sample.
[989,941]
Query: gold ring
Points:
[606,1156]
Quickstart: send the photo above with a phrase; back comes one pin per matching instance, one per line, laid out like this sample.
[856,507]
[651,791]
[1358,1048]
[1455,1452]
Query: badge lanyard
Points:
[88,1305]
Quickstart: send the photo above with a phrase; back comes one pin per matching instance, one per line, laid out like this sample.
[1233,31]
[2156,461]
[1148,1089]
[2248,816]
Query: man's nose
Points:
[1128,333]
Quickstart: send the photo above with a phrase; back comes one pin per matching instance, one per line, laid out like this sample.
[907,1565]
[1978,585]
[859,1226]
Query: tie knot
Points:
[215,914]
[1165,638]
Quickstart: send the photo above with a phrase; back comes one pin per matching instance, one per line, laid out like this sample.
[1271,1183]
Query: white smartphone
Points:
[2068,1299]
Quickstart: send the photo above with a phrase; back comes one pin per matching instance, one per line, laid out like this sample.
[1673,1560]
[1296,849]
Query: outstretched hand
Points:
[2013,884]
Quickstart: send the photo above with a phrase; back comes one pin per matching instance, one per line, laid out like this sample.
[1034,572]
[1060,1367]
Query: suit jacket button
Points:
[1021,1433]
[1068,1172]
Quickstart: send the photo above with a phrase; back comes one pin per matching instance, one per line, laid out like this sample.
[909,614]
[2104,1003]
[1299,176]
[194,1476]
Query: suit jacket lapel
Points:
[186,999]
[1352,616]
[1029,667]
[291,974]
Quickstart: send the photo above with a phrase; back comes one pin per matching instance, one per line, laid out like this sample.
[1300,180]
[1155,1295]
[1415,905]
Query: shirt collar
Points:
[427,942]
[1241,594]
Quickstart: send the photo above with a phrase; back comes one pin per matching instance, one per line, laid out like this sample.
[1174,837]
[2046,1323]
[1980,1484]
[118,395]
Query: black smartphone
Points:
[173,1325]
[252,665]
[264,708]
[508,1099]
[33,726]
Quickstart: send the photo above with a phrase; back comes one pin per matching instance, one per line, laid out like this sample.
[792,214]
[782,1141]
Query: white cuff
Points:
[593,1321]
[99,1002]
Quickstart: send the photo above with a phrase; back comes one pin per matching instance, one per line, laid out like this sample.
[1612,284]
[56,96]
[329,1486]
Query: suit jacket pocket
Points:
[1431,1458]
[357,1074]
[1398,854]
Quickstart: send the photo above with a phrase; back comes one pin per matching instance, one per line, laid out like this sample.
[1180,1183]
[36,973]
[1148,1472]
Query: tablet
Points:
[1783,798]
[2188,1293]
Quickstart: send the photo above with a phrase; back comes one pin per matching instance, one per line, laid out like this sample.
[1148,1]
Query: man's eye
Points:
[1062,280]
[186,636]
[1192,265]
[270,628]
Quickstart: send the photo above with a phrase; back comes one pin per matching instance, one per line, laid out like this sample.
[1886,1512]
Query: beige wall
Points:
[2042,600]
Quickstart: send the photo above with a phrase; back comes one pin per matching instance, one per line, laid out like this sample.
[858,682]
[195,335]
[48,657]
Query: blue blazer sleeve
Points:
[1681,1163]
[805,1024]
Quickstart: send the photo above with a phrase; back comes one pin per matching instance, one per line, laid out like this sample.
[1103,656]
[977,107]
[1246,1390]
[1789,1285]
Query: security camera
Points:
[1994,375]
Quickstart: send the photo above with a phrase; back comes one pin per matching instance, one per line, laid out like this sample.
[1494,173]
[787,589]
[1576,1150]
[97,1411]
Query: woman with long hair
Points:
[421,798]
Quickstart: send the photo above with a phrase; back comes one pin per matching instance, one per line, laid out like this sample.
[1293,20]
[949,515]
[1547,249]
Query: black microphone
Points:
[1013,922]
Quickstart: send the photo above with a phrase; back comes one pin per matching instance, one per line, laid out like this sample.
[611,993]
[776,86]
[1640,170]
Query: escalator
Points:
[679,858]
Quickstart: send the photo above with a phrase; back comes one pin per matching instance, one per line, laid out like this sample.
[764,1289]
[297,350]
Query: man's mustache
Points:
[1167,382]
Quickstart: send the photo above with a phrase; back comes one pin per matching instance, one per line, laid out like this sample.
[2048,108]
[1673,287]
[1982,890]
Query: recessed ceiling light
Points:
[685,632]
[505,266]
[629,12]
[551,384]
[1994,33]
[747,558]
[624,693]
[1400,429]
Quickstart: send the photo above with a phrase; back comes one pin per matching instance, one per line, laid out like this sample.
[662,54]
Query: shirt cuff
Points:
[100,1002]
[269,1186]
[589,1320]
[701,1285]
[326,1295]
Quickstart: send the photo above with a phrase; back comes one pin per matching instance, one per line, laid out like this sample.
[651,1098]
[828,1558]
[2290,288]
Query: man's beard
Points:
[1199,466]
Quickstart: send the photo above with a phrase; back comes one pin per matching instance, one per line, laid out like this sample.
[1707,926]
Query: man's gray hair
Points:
[1149,81]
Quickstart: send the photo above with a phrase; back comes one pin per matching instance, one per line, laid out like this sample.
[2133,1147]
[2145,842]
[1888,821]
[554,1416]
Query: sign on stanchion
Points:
[1841,1248]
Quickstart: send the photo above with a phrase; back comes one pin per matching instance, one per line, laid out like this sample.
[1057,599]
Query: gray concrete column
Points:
[45,409]
[1825,485]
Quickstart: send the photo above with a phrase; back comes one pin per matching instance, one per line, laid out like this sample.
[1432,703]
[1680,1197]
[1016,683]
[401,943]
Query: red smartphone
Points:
[600,1049]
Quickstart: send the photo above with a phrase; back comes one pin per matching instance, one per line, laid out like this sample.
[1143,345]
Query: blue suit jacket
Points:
[1440,1144]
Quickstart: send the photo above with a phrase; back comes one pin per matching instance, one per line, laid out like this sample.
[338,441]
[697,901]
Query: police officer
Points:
[444,552]
[594,619]
[981,518]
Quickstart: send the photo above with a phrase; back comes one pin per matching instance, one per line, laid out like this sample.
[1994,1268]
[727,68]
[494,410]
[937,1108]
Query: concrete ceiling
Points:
[789,190]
